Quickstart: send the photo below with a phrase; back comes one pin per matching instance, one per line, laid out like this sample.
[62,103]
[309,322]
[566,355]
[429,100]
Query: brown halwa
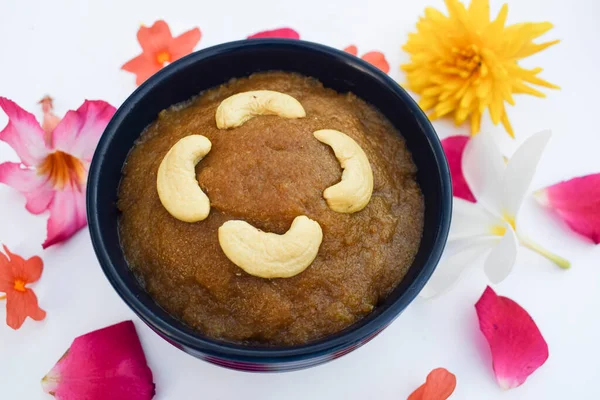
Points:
[267,172]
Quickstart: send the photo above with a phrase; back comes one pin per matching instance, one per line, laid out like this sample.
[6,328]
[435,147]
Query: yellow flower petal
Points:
[460,116]
[427,102]
[475,122]
[495,108]
[532,48]
[445,108]
[479,13]
[520,87]
[493,32]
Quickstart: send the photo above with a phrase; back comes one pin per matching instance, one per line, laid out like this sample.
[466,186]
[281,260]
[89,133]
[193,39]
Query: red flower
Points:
[159,47]
[577,202]
[454,147]
[376,58]
[105,364]
[52,173]
[281,33]
[440,384]
[15,274]
[517,345]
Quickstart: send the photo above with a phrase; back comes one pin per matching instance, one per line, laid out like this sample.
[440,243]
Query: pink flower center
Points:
[20,285]
[62,169]
[163,57]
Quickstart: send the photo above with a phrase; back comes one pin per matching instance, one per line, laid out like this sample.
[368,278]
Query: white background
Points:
[73,49]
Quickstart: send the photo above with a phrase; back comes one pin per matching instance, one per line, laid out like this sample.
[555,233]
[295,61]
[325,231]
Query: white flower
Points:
[490,224]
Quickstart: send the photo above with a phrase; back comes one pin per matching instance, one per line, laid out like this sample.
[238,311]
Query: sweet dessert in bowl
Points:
[326,168]
[266,215]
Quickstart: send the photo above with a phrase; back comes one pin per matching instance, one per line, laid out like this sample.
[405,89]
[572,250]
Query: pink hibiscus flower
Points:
[54,163]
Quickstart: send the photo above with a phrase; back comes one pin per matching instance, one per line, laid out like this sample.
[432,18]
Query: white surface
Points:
[73,49]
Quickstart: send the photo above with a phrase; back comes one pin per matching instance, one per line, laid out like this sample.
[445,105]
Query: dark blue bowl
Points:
[211,67]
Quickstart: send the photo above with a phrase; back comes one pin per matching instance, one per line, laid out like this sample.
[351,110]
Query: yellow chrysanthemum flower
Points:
[462,63]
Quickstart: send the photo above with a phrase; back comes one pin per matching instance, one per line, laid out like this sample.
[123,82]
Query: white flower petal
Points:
[500,261]
[458,255]
[520,170]
[471,219]
[483,168]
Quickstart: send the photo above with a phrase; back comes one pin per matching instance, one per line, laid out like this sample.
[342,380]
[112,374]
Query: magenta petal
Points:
[79,131]
[23,133]
[577,201]
[105,364]
[67,215]
[454,146]
[517,345]
[37,189]
[282,33]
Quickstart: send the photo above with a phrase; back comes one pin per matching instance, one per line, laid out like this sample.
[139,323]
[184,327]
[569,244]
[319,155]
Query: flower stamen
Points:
[556,259]
[62,169]
[163,57]
[19,285]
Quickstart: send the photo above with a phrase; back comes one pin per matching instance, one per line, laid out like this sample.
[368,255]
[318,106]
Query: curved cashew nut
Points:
[239,108]
[176,182]
[268,255]
[354,191]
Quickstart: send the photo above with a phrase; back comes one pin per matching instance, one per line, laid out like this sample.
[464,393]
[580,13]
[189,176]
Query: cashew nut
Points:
[239,108]
[268,255]
[176,182]
[354,191]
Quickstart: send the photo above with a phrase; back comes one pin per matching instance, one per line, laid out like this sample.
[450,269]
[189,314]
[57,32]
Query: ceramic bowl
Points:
[216,65]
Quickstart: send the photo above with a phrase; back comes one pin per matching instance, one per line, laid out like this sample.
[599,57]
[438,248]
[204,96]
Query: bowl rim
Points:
[232,351]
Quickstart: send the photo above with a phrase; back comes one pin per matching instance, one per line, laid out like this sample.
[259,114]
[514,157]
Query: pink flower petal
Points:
[577,202]
[37,189]
[517,345]
[23,133]
[105,364]
[282,33]
[454,146]
[67,215]
[79,131]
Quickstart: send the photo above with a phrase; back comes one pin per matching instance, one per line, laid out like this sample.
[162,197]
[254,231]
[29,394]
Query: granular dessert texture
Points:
[267,172]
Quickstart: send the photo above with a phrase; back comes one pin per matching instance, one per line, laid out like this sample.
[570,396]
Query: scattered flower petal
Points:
[440,384]
[517,345]
[352,49]
[159,48]
[80,130]
[53,171]
[577,202]
[21,301]
[375,58]
[488,225]
[454,146]
[23,133]
[455,61]
[67,216]
[281,33]
[105,364]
